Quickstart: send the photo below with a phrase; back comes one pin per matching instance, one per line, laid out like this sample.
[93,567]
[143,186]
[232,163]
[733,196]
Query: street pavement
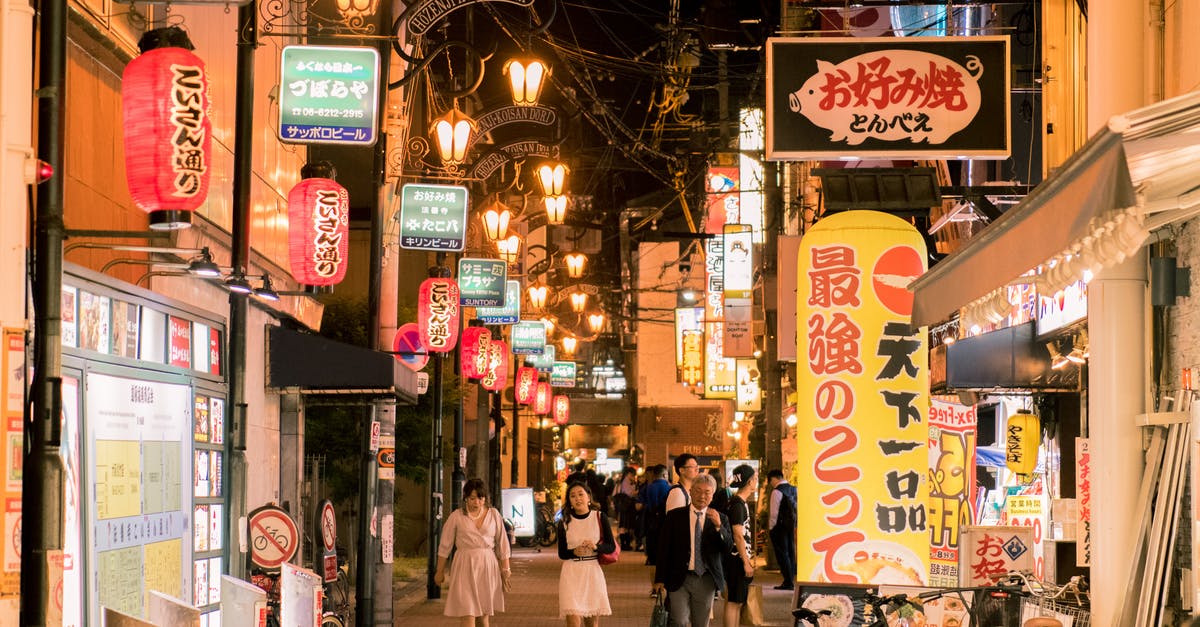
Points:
[533,601]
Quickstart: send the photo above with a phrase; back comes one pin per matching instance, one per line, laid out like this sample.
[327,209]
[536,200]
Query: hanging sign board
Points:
[328,95]
[481,282]
[528,338]
[509,313]
[563,374]
[887,98]
[544,361]
[433,217]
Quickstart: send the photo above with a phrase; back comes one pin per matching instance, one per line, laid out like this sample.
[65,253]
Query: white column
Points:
[1118,72]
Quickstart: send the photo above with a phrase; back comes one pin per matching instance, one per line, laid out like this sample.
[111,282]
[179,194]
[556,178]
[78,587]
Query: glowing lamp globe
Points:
[525,387]
[438,315]
[556,209]
[168,128]
[537,296]
[542,397]
[318,229]
[562,410]
[526,80]
[475,357]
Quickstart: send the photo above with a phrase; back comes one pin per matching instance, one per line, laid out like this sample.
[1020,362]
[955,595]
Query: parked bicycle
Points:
[337,608]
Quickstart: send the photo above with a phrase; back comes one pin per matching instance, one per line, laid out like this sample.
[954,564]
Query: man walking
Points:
[693,543]
[782,526]
[686,471]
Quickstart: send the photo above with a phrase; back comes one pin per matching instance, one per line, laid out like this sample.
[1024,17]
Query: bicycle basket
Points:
[1069,615]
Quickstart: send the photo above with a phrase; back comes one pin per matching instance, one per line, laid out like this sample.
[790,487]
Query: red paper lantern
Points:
[475,356]
[562,410]
[497,374]
[541,398]
[318,230]
[525,385]
[437,315]
[168,128]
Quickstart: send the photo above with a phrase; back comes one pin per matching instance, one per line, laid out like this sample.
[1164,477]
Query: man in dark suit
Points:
[693,543]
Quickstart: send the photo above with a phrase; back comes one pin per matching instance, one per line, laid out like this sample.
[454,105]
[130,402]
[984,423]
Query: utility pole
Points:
[773,375]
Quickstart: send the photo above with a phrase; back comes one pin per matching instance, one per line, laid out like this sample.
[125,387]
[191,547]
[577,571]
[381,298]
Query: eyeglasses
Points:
[691,467]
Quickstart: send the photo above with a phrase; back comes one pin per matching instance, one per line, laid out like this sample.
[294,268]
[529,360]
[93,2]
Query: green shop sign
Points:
[563,374]
[433,217]
[509,313]
[544,362]
[328,95]
[529,338]
[481,282]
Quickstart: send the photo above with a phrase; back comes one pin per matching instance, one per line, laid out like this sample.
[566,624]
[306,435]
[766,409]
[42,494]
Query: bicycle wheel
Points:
[330,619]
[549,535]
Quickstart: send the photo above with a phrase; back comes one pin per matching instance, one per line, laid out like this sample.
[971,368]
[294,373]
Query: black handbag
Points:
[658,616]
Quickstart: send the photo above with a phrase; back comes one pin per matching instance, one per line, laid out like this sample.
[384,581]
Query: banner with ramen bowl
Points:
[862,403]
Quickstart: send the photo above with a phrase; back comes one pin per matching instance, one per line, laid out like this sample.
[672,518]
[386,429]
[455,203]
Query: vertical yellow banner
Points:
[862,402]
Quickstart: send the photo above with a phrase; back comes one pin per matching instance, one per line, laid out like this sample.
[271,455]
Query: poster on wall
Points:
[138,435]
[72,575]
[862,382]
[951,485]
[12,458]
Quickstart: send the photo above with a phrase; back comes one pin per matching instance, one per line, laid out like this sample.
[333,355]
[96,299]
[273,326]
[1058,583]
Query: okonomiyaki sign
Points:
[862,388]
[888,96]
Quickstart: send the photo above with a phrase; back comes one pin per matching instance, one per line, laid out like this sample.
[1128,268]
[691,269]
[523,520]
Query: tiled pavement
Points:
[533,601]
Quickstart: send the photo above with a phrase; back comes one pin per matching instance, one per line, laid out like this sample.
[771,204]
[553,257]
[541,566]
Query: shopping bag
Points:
[607,558]
[752,611]
[658,616]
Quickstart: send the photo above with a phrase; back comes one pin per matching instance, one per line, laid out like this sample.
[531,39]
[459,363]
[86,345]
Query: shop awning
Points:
[319,365]
[1145,162]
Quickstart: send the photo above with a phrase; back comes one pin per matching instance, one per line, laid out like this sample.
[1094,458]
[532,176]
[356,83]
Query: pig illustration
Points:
[891,95]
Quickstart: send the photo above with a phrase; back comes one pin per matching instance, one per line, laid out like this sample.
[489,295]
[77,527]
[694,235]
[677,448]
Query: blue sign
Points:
[481,282]
[510,313]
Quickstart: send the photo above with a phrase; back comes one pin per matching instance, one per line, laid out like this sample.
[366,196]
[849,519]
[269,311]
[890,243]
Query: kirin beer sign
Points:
[887,98]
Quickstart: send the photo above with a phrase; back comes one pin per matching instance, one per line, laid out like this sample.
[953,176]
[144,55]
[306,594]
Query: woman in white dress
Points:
[479,572]
[583,533]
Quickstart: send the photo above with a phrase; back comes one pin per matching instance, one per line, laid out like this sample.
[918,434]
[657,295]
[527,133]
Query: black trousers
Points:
[784,541]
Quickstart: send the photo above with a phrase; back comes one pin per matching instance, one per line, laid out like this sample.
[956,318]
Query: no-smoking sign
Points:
[273,537]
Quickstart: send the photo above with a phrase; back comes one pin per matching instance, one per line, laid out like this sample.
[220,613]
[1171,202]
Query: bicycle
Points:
[337,608]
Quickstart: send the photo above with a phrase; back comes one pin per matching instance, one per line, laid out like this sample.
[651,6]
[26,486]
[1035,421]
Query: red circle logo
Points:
[895,269]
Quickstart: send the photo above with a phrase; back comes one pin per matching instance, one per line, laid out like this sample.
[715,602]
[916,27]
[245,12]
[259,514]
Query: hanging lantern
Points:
[575,263]
[568,345]
[508,249]
[525,387]
[475,357]
[526,80]
[542,397]
[437,315]
[552,178]
[452,134]
[578,301]
[556,209]
[596,322]
[168,128]
[550,323]
[562,410]
[495,222]
[537,296]
[318,227]
[497,375]
[1022,440]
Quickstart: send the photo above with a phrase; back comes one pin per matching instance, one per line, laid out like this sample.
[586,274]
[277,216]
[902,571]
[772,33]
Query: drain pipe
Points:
[42,527]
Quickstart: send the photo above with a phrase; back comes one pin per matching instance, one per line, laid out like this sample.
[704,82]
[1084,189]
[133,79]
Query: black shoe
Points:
[785,586]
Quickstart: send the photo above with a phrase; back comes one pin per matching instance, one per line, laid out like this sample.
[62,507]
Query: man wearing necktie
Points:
[694,540]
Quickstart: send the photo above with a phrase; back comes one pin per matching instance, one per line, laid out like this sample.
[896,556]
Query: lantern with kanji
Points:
[1022,440]
[475,356]
[541,398]
[437,315]
[168,128]
[562,410]
[497,374]
[525,386]
[318,226]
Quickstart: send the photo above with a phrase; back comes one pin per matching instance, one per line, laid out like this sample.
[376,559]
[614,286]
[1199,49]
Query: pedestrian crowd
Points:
[695,533]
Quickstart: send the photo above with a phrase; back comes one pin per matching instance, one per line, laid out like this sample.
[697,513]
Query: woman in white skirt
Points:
[583,533]
[479,572]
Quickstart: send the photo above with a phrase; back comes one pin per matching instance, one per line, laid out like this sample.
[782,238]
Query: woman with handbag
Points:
[584,535]
[479,572]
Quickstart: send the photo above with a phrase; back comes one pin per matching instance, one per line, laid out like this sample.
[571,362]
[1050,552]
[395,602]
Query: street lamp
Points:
[553,178]
[575,263]
[568,345]
[550,324]
[526,80]
[495,222]
[508,248]
[578,301]
[596,322]
[452,132]
[556,209]
[537,296]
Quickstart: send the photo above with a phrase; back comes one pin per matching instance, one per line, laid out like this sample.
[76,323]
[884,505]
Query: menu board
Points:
[139,439]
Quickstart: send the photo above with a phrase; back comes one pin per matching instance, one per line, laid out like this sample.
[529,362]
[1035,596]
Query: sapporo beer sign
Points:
[893,97]
[328,95]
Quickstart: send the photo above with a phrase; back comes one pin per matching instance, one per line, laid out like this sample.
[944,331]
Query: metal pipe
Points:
[364,587]
[432,590]
[239,308]
[42,527]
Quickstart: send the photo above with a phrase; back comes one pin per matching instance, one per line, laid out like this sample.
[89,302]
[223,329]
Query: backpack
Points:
[787,505]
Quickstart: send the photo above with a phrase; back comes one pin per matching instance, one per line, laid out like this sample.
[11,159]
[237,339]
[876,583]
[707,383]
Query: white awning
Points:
[1142,171]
